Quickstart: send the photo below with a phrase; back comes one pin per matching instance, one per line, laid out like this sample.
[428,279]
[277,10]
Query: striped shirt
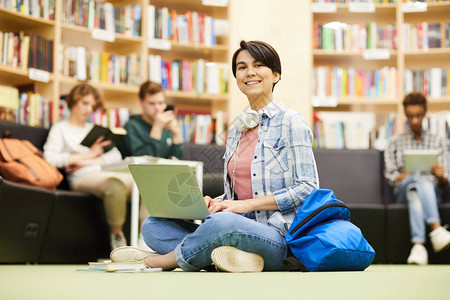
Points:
[393,156]
[283,164]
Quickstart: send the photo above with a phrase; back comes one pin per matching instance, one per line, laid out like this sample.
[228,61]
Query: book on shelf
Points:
[111,117]
[424,35]
[344,130]
[39,9]
[190,27]
[104,16]
[432,82]
[339,36]
[83,64]
[200,127]
[187,76]
[438,123]
[9,103]
[340,82]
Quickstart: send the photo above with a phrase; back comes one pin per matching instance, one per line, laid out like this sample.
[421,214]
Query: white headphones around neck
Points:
[246,120]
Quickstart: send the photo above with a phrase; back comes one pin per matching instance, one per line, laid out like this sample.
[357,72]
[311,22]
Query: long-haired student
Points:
[83,164]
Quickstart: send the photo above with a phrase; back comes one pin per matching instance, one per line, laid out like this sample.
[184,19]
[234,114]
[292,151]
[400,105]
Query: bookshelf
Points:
[358,69]
[75,33]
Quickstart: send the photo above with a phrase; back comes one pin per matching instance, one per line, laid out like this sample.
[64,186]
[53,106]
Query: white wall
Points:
[286,25]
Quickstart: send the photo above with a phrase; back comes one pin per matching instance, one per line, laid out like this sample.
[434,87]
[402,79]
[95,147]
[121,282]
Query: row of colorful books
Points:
[103,15]
[25,108]
[364,130]
[190,27]
[344,130]
[108,117]
[340,36]
[203,128]
[341,82]
[183,75]
[423,36]
[85,64]
[36,8]
[34,110]
[434,82]
[26,51]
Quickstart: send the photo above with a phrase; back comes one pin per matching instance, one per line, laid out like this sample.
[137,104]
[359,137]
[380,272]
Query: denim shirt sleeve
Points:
[301,157]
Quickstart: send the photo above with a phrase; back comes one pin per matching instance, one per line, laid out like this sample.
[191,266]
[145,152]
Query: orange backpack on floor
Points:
[21,161]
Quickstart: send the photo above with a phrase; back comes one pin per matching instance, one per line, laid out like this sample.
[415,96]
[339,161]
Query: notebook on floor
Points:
[170,191]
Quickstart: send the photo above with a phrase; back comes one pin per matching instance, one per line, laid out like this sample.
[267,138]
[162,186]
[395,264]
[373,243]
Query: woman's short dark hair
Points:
[82,90]
[150,88]
[415,98]
[261,52]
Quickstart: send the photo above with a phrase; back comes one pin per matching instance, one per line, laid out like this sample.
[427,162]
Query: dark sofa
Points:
[62,226]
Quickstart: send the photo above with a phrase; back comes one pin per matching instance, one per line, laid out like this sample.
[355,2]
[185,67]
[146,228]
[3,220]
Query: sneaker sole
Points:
[231,259]
[143,252]
[442,249]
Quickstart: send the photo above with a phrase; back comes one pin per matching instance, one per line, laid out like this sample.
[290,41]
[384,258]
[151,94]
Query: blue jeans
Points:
[194,243]
[422,205]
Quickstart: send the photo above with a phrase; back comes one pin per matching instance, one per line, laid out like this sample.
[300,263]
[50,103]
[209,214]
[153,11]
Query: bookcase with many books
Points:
[366,56]
[50,46]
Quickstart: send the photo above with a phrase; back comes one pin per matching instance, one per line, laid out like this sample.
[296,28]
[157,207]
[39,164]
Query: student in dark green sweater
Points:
[155,131]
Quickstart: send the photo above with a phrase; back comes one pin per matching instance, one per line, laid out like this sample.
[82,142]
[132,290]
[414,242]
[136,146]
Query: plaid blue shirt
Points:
[283,164]
[393,156]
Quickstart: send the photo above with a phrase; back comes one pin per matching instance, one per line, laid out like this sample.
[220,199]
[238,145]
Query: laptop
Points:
[419,160]
[170,191]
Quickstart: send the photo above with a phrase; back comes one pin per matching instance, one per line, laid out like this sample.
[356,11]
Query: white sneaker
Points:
[418,255]
[440,239]
[117,240]
[129,254]
[231,259]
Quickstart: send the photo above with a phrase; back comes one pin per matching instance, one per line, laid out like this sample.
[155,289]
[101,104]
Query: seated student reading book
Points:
[63,149]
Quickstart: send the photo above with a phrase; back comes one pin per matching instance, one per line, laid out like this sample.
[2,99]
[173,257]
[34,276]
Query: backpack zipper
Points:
[315,213]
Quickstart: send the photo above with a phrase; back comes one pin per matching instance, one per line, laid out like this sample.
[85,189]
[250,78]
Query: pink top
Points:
[241,180]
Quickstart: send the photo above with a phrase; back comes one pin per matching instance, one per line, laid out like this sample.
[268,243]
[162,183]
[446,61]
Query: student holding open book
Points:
[269,171]
[63,149]
[421,191]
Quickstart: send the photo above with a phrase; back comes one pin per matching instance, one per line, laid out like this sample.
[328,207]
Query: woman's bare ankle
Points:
[167,262]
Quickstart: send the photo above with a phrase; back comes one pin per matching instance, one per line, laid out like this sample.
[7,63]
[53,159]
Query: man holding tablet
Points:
[420,189]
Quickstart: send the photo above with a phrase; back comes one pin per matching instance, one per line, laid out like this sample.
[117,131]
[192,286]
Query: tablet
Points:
[419,160]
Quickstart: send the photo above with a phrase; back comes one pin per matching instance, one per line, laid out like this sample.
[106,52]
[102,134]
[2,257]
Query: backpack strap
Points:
[293,264]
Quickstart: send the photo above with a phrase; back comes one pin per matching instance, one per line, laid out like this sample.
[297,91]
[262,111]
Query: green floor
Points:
[377,282]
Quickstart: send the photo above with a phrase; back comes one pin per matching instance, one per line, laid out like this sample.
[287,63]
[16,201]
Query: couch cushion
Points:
[24,214]
[210,155]
[355,176]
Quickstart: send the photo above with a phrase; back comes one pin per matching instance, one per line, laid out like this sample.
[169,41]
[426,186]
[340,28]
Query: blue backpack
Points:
[322,238]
